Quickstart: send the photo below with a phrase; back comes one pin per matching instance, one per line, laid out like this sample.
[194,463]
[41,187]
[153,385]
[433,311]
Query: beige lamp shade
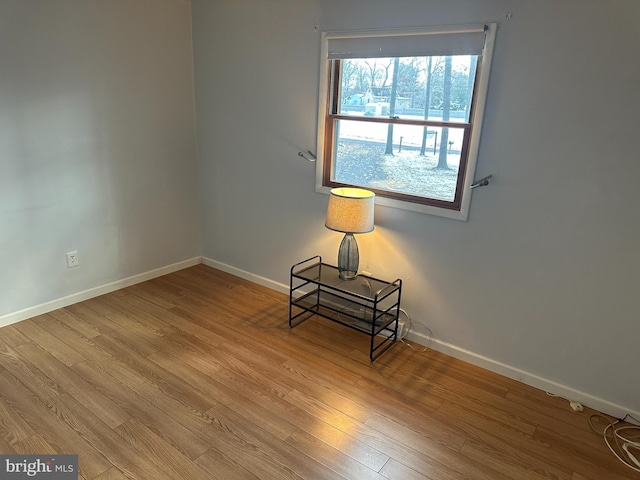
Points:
[350,210]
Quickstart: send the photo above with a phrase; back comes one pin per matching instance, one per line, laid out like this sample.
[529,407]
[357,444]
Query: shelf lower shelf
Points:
[352,314]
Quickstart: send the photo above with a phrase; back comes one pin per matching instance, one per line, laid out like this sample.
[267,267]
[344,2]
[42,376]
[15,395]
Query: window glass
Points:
[361,158]
[445,84]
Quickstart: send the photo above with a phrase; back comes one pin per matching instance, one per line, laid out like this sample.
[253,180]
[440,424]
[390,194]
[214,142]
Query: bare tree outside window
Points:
[392,106]
[446,111]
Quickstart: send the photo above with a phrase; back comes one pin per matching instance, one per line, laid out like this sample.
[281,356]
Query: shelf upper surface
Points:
[328,276]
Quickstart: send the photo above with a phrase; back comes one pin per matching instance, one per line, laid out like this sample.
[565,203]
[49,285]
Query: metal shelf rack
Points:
[366,304]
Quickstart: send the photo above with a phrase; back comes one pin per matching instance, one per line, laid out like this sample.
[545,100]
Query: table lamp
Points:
[350,210]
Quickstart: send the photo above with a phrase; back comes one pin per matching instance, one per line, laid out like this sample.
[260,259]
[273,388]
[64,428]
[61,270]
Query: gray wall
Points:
[97,144]
[542,279]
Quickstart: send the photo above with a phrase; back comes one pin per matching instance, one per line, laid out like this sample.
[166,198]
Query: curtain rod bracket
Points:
[483,182]
[308,156]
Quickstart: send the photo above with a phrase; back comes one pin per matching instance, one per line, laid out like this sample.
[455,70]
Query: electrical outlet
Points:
[72,259]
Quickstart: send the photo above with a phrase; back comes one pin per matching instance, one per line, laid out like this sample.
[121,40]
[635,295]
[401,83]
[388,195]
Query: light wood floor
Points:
[196,375]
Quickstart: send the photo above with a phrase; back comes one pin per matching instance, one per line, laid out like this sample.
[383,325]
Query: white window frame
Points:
[476,120]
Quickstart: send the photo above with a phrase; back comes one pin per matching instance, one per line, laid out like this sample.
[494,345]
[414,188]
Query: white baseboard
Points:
[265,282]
[30,312]
[527,378]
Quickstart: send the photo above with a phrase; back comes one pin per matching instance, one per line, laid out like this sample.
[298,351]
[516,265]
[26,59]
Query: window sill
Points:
[462,214]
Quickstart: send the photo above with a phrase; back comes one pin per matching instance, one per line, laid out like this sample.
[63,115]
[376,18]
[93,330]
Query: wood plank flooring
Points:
[196,375]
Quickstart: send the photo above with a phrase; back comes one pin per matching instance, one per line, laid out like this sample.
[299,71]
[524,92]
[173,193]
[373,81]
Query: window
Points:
[400,114]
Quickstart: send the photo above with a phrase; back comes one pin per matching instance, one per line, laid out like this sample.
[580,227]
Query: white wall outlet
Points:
[72,259]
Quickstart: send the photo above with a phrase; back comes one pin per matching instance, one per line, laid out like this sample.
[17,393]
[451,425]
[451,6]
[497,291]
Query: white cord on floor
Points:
[624,454]
[575,405]
[407,327]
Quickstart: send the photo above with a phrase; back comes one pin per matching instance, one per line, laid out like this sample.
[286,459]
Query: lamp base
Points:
[348,275]
[348,257]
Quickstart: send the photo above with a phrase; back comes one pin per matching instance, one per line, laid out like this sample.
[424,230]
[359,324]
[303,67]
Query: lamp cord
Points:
[622,443]
[408,328]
